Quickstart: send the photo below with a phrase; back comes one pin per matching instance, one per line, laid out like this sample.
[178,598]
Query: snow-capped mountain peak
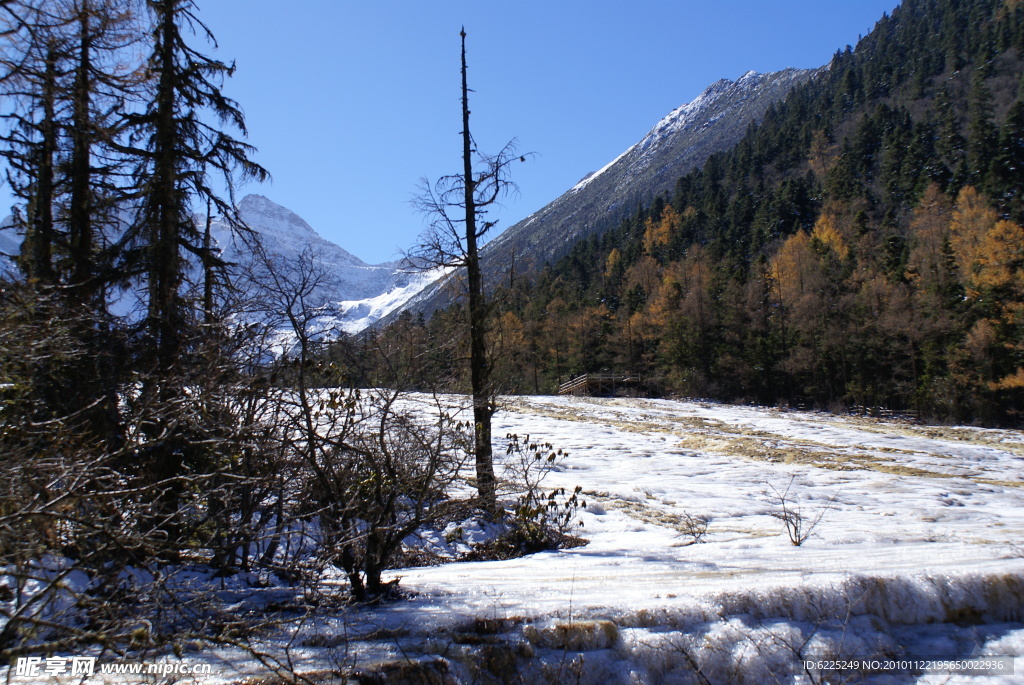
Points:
[282,230]
[273,217]
[354,294]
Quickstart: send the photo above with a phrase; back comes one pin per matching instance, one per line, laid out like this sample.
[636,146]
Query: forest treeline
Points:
[860,247]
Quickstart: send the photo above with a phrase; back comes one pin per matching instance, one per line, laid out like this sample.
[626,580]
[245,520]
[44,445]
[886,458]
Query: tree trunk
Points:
[483,402]
[79,219]
[40,218]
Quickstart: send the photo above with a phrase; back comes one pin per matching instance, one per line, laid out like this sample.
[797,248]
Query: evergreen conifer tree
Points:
[982,132]
[1008,166]
[177,148]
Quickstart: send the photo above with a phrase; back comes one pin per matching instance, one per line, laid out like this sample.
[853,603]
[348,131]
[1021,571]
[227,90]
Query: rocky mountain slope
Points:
[354,294]
[713,122]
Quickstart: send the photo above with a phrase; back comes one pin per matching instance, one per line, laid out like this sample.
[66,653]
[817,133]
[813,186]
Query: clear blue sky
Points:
[351,103]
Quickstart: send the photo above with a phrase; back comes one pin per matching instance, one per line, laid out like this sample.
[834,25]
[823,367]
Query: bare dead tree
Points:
[459,204]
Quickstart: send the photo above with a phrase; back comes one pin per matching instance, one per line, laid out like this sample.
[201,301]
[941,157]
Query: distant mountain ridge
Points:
[286,235]
[355,294]
[713,122]
[369,294]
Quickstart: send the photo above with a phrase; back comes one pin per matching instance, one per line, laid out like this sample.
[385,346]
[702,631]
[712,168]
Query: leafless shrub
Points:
[371,467]
[799,523]
[91,524]
[695,526]
[542,518]
[211,509]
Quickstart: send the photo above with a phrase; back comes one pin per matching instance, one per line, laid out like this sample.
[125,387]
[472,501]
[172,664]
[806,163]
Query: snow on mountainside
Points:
[357,315]
[10,245]
[686,118]
[285,236]
[713,122]
[355,294]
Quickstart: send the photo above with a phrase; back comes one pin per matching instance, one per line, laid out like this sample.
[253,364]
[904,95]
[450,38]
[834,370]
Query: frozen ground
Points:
[919,553]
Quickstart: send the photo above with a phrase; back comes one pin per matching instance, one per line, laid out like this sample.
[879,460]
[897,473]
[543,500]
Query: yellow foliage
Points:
[826,233]
[585,327]
[981,340]
[675,281]
[789,266]
[556,308]
[989,252]
[1011,382]
[509,329]
[658,234]
[1000,259]
[646,273]
[613,263]
[972,221]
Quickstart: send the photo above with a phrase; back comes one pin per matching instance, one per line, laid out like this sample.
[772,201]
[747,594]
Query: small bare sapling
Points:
[799,522]
[694,526]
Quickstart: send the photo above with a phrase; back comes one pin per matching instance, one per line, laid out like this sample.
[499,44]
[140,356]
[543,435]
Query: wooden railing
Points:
[597,384]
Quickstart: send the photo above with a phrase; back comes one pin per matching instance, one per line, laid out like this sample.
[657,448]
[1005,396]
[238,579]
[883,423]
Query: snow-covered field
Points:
[918,553]
[922,526]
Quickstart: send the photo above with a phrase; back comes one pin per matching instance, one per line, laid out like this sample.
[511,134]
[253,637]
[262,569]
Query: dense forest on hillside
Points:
[862,246]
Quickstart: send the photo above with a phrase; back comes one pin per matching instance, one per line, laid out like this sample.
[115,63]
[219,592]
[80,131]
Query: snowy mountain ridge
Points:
[680,119]
[712,122]
[355,294]
[284,233]
[688,115]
